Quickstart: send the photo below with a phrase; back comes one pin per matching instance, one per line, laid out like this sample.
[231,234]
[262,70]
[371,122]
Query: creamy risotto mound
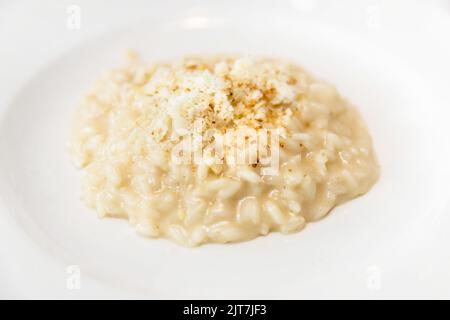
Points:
[178,148]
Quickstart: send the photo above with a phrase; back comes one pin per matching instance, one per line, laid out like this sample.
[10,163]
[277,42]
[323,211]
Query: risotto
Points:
[219,149]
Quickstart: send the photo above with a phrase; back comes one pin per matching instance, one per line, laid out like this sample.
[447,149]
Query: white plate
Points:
[391,59]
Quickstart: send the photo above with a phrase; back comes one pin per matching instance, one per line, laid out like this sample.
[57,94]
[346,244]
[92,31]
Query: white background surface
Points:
[388,57]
